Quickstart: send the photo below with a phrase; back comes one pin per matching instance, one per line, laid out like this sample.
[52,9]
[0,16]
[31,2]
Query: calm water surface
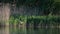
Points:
[23,30]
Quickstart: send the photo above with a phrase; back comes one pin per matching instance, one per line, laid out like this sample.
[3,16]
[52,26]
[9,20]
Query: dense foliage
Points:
[47,6]
[36,19]
[29,2]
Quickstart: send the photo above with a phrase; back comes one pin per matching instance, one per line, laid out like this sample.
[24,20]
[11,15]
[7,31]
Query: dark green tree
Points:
[47,6]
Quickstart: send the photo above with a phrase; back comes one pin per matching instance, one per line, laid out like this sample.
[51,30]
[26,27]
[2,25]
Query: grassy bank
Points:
[35,19]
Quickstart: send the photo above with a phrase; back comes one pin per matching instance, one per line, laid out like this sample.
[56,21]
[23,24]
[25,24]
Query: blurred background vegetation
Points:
[50,10]
[47,6]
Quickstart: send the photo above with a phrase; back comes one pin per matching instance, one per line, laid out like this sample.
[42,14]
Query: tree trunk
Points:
[5,13]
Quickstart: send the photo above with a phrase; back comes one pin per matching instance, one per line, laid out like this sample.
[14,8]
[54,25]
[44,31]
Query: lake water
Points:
[21,30]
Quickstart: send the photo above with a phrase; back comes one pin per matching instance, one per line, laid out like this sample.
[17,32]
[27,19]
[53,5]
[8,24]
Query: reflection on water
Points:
[4,30]
[21,30]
